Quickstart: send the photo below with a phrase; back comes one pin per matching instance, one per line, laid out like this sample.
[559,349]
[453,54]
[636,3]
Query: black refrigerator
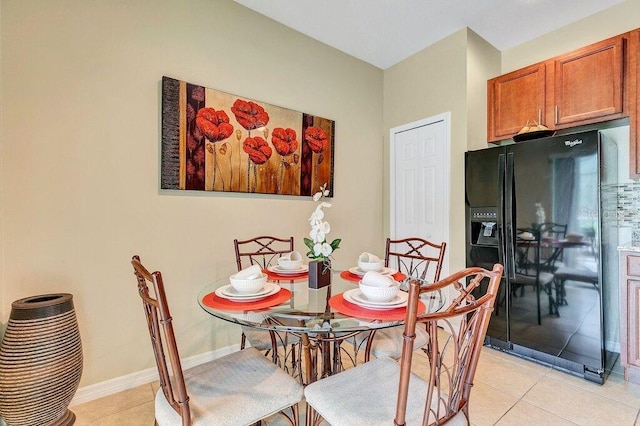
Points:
[542,208]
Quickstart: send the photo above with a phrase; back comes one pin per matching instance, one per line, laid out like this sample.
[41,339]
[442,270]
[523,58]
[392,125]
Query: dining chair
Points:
[529,273]
[363,394]
[550,257]
[238,389]
[265,251]
[416,258]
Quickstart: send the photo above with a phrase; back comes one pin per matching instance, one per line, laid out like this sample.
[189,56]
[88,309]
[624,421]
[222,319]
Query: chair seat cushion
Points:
[366,396]
[530,278]
[573,274]
[388,341]
[238,389]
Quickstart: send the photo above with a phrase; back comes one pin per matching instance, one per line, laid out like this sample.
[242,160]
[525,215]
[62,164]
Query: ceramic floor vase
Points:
[40,361]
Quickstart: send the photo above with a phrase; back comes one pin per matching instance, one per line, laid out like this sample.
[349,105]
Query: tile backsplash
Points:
[628,210]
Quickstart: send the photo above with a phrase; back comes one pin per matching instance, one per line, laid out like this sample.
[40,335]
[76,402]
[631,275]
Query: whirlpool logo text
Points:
[573,142]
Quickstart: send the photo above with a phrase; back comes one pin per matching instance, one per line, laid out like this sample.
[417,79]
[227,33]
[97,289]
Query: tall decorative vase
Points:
[319,274]
[40,361]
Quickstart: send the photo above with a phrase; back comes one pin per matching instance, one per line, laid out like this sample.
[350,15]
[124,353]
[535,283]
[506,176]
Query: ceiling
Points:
[384,32]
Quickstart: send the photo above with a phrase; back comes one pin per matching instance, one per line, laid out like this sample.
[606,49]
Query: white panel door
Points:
[419,189]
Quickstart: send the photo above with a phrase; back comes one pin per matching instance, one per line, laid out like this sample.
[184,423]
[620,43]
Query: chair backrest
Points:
[456,335]
[528,259]
[416,257]
[556,231]
[263,251]
[163,339]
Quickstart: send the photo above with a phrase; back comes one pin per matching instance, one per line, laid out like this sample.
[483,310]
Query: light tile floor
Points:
[507,391]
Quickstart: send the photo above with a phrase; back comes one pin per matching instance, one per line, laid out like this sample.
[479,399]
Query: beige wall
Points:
[608,23]
[429,83]
[79,155]
[449,76]
[483,61]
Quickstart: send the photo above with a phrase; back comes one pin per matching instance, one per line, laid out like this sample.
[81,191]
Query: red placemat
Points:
[216,302]
[349,276]
[280,277]
[338,303]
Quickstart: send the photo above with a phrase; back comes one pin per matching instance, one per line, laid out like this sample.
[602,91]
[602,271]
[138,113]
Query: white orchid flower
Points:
[317,235]
[319,232]
[326,249]
[317,215]
[323,249]
[320,249]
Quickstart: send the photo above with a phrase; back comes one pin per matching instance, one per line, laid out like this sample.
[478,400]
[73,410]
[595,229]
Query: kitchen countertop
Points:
[630,246]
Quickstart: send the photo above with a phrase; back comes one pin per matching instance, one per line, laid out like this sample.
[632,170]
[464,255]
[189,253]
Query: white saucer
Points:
[384,271]
[281,271]
[356,297]
[228,292]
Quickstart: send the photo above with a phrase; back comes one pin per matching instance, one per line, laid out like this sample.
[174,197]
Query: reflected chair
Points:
[363,395]
[416,258]
[264,251]
[529,271]
[586,272]
[551,257]
[238,389]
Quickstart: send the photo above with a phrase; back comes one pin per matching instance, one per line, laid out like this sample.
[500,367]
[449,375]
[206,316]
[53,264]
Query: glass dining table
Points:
[322,318]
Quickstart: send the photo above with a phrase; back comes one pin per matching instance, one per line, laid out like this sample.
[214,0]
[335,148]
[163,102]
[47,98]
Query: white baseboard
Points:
[119,384]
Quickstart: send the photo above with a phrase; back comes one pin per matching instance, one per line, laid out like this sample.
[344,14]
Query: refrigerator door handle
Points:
[508,218]
[501,206]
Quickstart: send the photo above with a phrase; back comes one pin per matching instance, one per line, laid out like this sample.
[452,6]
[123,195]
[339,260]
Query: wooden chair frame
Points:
[414,257]
[171,374]
[464,343]
[264,251]
[163,340]
[442,394]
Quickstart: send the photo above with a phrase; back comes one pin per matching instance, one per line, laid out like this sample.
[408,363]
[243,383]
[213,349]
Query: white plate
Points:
[384,271]
[224,292]
[356,297]
[281,271]
[229,290]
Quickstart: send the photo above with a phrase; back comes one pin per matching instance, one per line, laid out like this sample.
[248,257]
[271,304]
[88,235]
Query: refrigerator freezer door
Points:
[556,186]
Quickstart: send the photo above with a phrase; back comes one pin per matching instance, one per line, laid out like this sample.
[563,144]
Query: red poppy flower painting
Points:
[284,141]
[258,149]
[316,138]
[216,141]
[249,114]
[214,124]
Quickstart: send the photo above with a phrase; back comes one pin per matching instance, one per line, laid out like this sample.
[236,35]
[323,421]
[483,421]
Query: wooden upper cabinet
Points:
[589,84]
[632,102]
[514,99]
[582,87]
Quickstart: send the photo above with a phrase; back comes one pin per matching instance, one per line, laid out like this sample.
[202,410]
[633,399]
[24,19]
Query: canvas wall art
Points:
[216,141]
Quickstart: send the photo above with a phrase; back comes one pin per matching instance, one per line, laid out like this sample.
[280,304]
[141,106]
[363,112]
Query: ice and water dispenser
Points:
[484,226]
[482,238]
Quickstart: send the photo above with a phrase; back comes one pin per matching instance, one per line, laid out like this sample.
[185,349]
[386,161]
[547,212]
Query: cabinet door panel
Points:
[515,99]
[588,83]
[633,330]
